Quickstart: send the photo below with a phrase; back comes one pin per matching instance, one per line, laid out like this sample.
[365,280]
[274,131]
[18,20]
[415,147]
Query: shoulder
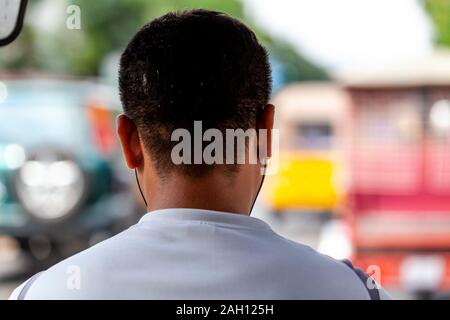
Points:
[76,277]
[323,272]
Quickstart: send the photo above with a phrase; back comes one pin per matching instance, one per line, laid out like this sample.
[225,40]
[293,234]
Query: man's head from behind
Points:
[183,67]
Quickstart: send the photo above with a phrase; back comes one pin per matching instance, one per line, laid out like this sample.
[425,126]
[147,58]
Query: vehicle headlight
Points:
[50,189]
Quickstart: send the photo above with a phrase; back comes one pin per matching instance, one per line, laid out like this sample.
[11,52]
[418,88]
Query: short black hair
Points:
[188,66]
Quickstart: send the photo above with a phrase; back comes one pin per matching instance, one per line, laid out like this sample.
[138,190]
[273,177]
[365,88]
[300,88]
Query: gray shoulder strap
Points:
[27,286]
[373,291]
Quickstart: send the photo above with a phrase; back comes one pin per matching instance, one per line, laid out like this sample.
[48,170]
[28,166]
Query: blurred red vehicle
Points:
[399,195]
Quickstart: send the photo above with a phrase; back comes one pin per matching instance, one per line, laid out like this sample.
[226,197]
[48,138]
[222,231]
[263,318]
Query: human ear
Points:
[130,142]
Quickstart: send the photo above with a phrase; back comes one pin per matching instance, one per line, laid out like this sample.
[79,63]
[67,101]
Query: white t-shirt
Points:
[197,254]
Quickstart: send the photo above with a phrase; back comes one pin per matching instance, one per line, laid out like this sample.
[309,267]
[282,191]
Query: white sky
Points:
[348,33]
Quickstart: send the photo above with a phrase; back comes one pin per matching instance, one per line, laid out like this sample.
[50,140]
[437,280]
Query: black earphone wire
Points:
[257,193]
[140,189]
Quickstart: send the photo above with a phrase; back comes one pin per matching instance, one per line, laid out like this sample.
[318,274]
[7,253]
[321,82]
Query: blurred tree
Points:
[439,11]
[295,67]
[107,26]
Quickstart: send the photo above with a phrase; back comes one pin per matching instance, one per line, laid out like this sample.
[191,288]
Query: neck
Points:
[212,192]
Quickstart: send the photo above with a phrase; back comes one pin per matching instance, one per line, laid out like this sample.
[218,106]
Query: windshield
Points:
[36,115]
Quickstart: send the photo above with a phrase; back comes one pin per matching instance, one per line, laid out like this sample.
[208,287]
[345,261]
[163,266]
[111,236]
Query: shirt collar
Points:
[208,216]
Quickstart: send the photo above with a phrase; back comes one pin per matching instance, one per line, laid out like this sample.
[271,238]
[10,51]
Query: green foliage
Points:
[439,11]
[108,25]
[295,66]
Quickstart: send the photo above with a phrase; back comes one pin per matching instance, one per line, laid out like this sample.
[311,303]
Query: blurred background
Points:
[362,90]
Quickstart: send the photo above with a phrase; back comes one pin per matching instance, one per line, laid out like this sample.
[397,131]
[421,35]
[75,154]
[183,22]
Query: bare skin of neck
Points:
[214,191]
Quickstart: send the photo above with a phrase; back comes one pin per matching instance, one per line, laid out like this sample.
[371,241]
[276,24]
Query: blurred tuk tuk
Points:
[399,191]
[310,119]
